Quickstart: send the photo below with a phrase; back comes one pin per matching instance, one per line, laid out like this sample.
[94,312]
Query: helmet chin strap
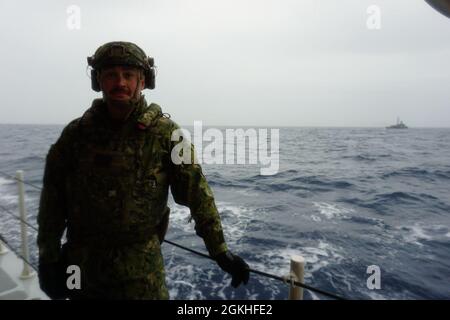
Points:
[137,94]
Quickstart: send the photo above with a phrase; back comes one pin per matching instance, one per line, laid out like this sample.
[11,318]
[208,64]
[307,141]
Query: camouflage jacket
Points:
[109,186]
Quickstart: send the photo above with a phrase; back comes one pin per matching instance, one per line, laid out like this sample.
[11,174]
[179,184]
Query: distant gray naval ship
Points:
[398,125]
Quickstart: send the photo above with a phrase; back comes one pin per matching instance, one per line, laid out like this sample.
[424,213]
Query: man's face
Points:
[121,82]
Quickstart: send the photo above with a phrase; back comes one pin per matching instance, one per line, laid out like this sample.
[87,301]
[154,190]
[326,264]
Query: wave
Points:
[310,183]
[361,157]
[215,179]
[276,187]
[278,176]
[367,157]
[387,203]
[442,174]
[32,159]
[367,221]
[284,181]
[418,173]
[419,232]
[396,197]
[392,198]
[321,181]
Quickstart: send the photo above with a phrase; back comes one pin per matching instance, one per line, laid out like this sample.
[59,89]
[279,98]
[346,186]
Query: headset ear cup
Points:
[150,79]
[151,61]
[94,83]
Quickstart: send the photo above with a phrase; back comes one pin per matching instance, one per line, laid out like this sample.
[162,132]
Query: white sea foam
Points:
[322,255]
[8,193]
[376,296]
[176,281]
[187,281]
[277,262]
[235,220]
[4,181]
[246,192]
[418,233]
[316,257]
[8,199]
[330,211]
[402,295]
[5,197]
[179,217]
[414,234]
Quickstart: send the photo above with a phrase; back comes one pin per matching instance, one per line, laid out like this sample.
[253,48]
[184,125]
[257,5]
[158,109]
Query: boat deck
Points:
[12,286]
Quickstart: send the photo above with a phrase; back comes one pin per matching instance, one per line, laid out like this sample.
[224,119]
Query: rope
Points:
[296,283]
[18,254]
[14,178]
[299,284]
[18,218]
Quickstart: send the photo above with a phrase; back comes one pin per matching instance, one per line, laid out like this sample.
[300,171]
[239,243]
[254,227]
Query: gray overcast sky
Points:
[236,62]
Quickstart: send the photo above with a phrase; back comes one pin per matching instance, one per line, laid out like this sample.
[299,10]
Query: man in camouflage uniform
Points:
[106,181]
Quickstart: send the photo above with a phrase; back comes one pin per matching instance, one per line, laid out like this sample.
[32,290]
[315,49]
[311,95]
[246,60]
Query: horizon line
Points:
[256,126]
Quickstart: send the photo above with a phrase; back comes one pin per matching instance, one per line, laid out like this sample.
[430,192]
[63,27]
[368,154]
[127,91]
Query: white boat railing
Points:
[295,278]
[27,272]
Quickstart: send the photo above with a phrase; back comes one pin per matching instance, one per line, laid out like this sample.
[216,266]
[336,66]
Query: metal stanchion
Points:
[27,271]
[297,274]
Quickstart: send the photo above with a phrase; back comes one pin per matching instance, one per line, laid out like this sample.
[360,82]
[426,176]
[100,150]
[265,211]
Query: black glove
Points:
[52,279]
[234,265]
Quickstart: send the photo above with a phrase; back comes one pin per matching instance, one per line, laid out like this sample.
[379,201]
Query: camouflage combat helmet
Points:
[121,53]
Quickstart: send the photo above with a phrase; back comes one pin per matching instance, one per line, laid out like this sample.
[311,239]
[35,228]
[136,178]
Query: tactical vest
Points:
[117,187]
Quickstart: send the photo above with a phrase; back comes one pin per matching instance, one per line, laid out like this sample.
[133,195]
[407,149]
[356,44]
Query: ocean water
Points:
[344,199]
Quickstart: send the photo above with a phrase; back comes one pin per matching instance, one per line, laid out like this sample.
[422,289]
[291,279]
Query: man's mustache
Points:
[119,90]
